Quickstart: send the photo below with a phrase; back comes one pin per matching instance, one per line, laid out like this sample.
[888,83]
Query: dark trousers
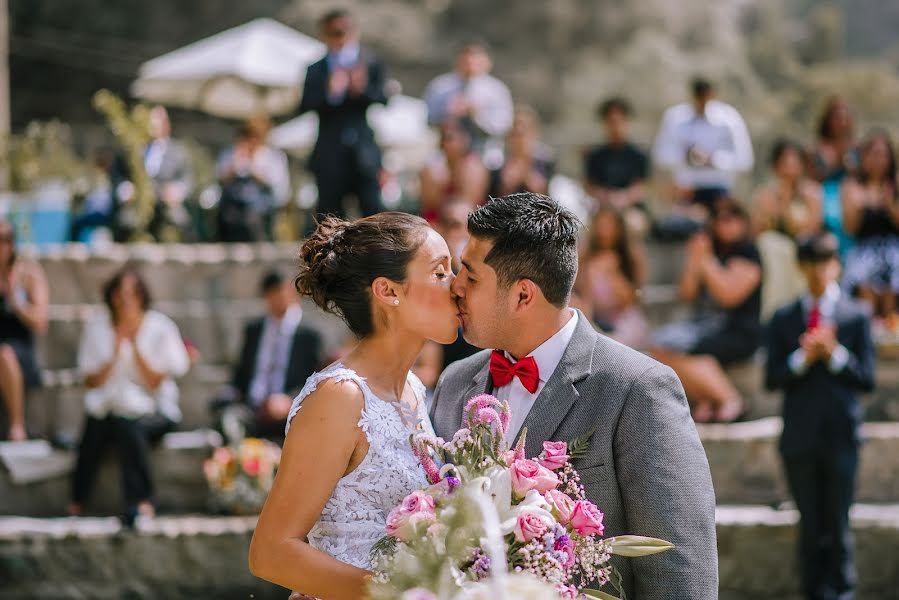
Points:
[337,181]
[132,439]
[823,486]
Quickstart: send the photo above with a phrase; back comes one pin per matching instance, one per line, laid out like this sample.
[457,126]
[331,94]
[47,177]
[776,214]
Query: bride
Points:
[347,461]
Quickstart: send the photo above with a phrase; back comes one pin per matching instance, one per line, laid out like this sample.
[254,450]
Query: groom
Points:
[645,467]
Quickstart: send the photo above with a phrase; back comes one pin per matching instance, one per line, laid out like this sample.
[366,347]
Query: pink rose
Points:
[251,466]
[554,455]
[587,519]
[562,505]
[529,525]
[403,526]
[416,502]
[527,475]
[508,457]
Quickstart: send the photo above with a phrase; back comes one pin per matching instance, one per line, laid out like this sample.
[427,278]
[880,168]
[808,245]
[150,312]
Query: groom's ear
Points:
[526,293]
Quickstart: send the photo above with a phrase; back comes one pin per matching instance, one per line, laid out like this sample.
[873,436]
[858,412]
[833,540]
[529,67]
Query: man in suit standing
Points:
[820,354]
[340,87]
[645,466]
[277,356]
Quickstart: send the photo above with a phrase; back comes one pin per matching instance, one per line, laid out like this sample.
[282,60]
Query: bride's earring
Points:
[396,301]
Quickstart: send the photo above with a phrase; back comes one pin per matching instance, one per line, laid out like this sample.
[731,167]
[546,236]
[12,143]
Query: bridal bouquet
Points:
[240,477]
[495,524]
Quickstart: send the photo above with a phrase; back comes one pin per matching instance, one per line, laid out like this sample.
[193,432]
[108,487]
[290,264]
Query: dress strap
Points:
[338,373]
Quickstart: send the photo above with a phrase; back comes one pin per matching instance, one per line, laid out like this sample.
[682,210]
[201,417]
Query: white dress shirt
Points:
[491,98]
[273,354]
[124,393]
[827,305]
[720,132]
[548,355]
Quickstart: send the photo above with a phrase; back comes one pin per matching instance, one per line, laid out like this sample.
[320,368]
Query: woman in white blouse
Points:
[128,358]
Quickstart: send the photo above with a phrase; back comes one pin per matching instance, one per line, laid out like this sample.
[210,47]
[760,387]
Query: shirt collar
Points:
[827,301]
[549,354]
[289,321]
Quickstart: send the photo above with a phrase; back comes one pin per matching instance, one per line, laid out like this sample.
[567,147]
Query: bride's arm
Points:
[323,444]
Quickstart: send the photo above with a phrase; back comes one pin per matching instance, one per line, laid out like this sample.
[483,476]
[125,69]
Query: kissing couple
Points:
[347,460]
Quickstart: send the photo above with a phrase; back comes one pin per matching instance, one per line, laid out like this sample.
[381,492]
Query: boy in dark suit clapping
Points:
[821,355]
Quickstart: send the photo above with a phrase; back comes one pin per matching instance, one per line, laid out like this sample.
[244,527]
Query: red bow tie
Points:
[503,370]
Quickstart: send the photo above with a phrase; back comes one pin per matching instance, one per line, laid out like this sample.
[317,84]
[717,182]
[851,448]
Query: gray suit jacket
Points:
[645,468]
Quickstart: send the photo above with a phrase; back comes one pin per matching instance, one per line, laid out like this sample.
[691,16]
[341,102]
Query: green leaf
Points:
[578,446]
[598,594]
[637,545]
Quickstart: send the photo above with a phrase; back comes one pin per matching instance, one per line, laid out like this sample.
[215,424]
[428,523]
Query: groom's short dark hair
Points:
[534,238]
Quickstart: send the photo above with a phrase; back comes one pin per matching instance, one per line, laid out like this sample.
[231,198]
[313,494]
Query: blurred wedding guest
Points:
[255,180]
[784,209]
[834,157]
[871,214]
[470,95]
[129,356]
[609,280]
[705,144]
[278,354]
[339,88]
[615,172]
[455,174]
[722,279]
[835,154]
[24,297]
[167,163]
[528,165]
[821,355]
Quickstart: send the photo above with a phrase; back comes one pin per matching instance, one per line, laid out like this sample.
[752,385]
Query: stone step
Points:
[193,556]
[57,408]
[38,482]
[170,557]
[173,271]
[214,327]
[746,465]
[208,271]
[757,552]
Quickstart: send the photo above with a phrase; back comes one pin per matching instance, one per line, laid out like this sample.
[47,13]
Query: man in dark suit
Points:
[820,354]
[167,163]
[277,356]
[340,87]
[645,467]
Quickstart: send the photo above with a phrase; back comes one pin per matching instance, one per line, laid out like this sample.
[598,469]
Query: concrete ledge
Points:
[177,471]
[179,557]
[746,465]
[757,552]
[172,557]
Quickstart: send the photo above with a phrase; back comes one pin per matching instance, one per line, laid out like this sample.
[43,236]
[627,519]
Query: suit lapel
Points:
[480,384]
[560,392]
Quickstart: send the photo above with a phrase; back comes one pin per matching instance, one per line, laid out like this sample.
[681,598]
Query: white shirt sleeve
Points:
[839,358]
[94,348]
[494,108]
[797,363]
[667,150]
[162,347]
[739,157]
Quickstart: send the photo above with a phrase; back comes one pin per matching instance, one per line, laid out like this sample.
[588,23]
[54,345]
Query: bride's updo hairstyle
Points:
[341,259]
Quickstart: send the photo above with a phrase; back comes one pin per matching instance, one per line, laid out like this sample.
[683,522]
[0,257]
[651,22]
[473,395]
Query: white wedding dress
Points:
[354,517]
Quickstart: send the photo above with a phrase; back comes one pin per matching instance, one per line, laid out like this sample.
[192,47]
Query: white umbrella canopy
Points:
[401,123]
[256,67]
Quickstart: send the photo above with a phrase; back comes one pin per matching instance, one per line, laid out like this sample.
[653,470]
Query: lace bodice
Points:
[354,516]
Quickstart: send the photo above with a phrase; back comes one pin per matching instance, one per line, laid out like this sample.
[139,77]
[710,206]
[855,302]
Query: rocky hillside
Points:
[776,59]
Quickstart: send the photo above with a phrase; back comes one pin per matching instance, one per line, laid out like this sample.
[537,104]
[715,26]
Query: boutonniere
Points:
[577,447]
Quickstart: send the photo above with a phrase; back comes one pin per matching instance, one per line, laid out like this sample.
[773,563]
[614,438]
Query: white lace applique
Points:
[354,516]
